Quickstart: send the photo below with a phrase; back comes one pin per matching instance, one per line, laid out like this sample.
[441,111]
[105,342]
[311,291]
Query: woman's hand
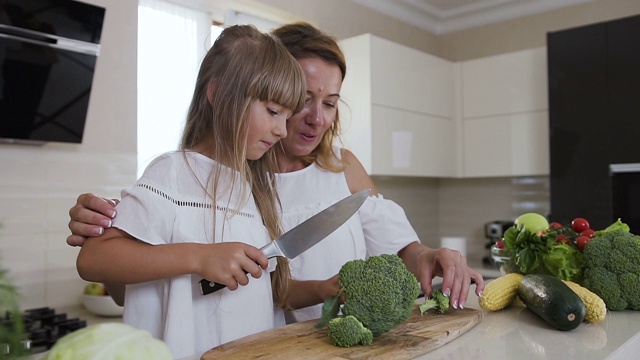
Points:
[90,216]
[457,276]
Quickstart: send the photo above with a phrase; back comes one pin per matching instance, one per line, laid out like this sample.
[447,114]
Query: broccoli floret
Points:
[380,292]
[348,331]
[630,287]
[605,284]
[438,301]
[612,268]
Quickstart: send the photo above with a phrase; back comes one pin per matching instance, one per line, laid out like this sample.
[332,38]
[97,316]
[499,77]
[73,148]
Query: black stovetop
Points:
[43,327]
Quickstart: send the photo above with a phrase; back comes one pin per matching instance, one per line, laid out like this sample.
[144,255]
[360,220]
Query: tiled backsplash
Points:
[461,207]
[37,187]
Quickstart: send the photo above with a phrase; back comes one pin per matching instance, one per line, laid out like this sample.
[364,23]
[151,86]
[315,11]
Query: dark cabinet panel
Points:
[594,115]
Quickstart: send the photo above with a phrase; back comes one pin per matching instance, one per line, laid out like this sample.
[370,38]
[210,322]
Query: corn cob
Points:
[596,308]
[500,293]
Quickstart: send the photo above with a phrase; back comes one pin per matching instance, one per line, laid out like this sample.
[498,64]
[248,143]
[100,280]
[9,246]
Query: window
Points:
[172,40]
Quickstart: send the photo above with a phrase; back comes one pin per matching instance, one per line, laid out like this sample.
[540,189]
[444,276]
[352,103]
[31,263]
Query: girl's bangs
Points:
[282,84]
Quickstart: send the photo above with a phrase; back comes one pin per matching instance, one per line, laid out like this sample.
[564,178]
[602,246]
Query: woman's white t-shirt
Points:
[379,227]
[168,204]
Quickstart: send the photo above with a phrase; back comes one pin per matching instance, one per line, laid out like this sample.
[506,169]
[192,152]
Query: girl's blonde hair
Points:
[244,65]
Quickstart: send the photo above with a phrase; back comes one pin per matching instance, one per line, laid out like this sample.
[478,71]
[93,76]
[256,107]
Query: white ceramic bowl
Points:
[102,305]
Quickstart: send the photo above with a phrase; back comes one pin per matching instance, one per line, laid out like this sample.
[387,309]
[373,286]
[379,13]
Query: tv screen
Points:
[48,53]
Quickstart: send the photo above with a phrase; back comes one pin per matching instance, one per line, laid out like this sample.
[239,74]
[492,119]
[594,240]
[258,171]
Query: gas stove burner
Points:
[43,327]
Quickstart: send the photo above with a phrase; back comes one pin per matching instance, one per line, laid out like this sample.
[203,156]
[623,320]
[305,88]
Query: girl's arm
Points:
[312,292]
[116,291]
[118,258]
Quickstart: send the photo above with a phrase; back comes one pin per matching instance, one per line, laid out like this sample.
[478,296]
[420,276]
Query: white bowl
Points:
[102,305]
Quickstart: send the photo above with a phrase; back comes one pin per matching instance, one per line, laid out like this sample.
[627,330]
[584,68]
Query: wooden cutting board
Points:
[418,335]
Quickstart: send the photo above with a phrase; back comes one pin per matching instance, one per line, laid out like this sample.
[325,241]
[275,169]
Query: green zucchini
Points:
[552,300]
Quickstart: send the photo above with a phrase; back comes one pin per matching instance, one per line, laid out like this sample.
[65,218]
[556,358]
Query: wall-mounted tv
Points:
[48,54]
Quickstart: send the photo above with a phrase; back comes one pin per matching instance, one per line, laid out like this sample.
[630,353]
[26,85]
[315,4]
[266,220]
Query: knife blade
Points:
[308,233]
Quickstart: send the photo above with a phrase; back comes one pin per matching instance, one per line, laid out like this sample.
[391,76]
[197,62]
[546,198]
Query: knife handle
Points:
[207,287]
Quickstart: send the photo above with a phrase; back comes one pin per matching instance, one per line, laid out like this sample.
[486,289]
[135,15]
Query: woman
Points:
[315,174]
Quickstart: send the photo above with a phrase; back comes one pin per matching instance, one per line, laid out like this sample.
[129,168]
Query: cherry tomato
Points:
[562,239]
[582,241]
[500,244]
[555,226]
[579,225]
[588,233]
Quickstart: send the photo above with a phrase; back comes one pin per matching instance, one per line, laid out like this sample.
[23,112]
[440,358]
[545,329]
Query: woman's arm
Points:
[356,175]
[118,258]
[424,262]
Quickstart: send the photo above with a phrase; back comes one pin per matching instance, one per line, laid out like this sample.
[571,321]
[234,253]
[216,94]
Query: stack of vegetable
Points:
[379,293]
[536,247]
[554,263]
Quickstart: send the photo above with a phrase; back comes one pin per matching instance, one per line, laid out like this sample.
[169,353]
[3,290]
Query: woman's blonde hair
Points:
[303,40]
[244,65]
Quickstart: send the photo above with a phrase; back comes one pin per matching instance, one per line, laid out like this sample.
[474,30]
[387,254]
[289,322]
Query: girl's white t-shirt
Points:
[379,227]
[169,204]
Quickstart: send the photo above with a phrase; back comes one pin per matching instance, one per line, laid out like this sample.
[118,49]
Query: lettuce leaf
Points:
[618,225]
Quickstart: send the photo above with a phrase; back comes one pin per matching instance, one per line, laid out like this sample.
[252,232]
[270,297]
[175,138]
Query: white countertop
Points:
[517,333]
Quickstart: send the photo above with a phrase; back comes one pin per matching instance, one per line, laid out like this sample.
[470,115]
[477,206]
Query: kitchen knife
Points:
[297,240]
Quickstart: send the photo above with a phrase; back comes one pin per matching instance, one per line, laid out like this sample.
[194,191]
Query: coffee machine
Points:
[494,231]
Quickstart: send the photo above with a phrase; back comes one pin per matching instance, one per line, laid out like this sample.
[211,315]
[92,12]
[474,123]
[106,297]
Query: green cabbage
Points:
[109,341]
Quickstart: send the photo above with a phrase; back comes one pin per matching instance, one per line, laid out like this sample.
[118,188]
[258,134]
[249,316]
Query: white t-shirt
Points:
[379,227]
[168,204]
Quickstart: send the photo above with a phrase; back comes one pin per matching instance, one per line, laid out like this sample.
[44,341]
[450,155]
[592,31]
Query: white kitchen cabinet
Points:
[506,145]
[408,113]
[505,115]
[398,109]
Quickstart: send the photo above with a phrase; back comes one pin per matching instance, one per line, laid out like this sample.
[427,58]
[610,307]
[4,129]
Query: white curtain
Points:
[172,41]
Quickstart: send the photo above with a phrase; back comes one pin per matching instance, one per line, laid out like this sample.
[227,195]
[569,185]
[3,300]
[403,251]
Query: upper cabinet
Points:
[408,113]
[505,115]
[397,115]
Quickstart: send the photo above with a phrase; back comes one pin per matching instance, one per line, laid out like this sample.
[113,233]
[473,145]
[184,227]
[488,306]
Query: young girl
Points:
[204,211]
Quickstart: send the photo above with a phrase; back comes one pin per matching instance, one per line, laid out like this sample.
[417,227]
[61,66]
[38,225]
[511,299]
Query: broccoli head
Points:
[438,301]
[612,268]
[380,292]
[348,331]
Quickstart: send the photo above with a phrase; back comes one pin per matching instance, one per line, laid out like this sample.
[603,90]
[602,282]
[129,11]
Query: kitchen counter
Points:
[516,333]
[79,311]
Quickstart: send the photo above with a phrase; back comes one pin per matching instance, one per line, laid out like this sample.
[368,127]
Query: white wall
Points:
[38,184]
